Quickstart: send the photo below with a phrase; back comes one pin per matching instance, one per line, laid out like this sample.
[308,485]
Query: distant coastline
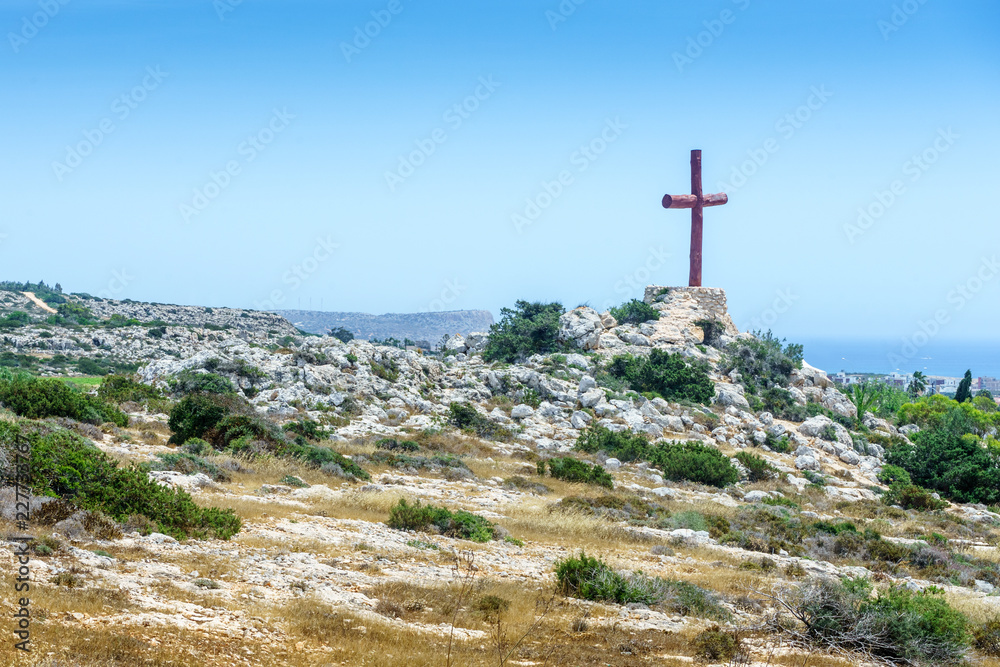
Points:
[941,358]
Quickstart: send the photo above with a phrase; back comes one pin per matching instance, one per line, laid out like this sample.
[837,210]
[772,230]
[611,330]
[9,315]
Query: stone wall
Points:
[681,307]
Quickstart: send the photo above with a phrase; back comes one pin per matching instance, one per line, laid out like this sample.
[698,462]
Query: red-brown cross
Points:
[696,202]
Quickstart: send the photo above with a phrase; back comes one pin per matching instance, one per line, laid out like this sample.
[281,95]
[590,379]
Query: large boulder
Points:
[838,402]
[581,327]
[807,376]
[730,394]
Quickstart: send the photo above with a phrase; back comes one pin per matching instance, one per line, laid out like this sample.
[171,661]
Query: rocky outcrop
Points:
[581,327]
[681,308]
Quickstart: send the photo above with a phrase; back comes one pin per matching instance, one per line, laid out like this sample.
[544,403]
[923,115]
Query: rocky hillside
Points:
[237,319]
[714,520]
[429,327]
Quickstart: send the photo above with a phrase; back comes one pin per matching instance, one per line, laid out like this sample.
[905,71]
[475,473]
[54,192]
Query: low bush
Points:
[341,334]
[307,428]
[198,413]
[891,474]
[714,645]
[323,458]
[198,447]
[526,329]
[569,469]
[393,445]
[634,312]
[623,445]
[757,468]
[452,465]
[912,497]
[460,524]
[66,466]
[387,369]
[188,381]
[695,462]
[669,376]
[467,418]
[763,362]
[188,464]
[122,388]
[36,398]
[592,579]
[896,625]
[687,461]
[949,457]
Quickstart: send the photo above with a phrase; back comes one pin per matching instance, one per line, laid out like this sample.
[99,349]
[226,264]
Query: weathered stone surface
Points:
[806,463]
[730,394]
[591,398]
[581,327]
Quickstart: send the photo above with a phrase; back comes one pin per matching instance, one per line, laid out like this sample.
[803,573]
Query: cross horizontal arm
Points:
[689,201]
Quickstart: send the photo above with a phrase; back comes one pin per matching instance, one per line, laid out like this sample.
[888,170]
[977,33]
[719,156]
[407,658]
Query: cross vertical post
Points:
[696,201]
[697,220]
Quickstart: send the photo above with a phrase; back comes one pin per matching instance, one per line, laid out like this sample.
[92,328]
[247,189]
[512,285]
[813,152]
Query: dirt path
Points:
[38,302]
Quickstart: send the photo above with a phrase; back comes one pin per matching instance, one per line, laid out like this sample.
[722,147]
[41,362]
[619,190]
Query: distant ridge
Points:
[429,327]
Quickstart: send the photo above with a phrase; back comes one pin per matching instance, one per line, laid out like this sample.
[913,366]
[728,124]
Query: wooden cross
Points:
[696,202]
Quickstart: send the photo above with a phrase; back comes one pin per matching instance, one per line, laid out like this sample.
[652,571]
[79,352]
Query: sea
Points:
[941,358]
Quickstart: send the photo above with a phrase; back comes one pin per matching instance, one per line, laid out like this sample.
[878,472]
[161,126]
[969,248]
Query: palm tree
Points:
[918,384]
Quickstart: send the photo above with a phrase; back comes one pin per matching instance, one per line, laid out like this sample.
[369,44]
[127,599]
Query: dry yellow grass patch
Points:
[388,642]
[533,520]
[249,508]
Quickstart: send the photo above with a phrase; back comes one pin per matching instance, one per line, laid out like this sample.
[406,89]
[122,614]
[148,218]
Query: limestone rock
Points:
[581,327]
[730,394]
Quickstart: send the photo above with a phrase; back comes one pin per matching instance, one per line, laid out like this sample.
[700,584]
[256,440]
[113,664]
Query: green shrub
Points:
[196,414]
[307,428]
[634,312]
[592,579]
[623,445]
[198,447]
[763,362]
[467,418]
[757,468]
[387,369]
[713,645]
[341,334]
[569,469]
[690,461]
[950,459]
[188,464]
[122,388]
[295,482]
[188,382]
[14,320]
[912,497]
[460,524]
[669,376]
[897,625]
[36,398]
[393,445]
[695,462]
[891,474]
[528,328]
[322,457]
[65,465]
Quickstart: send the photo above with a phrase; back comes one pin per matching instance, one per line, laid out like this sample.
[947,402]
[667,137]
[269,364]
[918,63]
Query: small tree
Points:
[964,392]
[342,334]
[528,328]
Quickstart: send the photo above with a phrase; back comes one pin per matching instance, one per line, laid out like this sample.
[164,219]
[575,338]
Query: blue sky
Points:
[262,154]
